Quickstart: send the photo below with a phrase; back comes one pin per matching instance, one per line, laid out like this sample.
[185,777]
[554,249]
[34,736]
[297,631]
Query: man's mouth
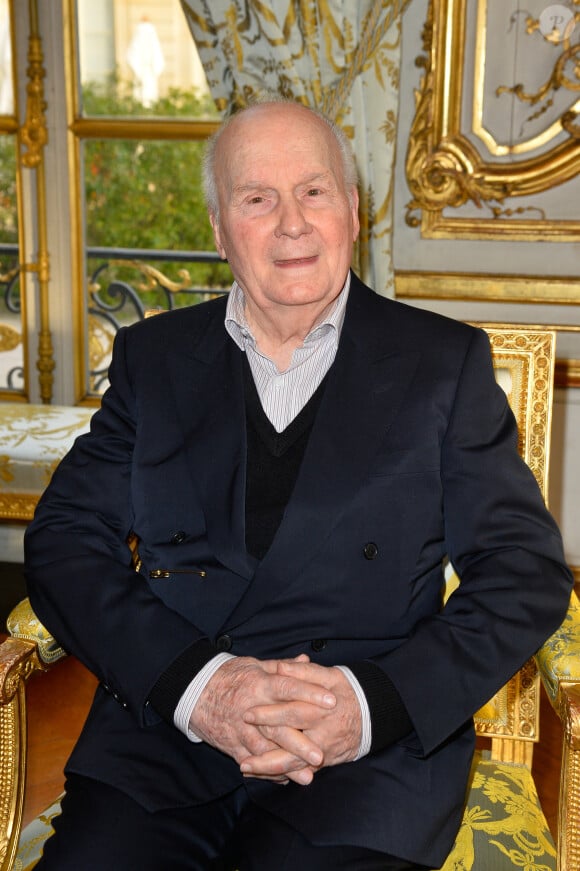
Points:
[296,262]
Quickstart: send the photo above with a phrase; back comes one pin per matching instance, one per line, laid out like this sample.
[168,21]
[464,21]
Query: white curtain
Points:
[340,57]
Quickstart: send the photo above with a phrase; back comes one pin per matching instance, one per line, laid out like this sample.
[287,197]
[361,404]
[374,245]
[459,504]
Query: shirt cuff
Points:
[190,697]
[366,735]
[193,691]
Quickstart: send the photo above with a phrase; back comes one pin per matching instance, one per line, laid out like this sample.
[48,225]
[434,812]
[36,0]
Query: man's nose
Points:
[291,219]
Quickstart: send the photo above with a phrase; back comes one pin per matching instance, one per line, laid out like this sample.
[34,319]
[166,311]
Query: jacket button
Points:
[318,644]
[178,537]
[370,550]
[224,643]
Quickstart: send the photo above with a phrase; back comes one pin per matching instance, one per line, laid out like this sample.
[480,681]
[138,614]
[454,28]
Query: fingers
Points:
[336,731]
[253,743]
[296,715]
[297,750]
[277,765]
[288,703]
[310,672]
[289,688]
[295,743]
[255,682]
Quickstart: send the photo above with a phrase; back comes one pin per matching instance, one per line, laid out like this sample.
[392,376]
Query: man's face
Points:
[286,223]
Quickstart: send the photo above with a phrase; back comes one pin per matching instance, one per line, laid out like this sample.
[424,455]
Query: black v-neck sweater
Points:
[273,462]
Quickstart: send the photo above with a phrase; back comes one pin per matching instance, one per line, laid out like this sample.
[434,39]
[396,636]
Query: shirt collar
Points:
[237,325]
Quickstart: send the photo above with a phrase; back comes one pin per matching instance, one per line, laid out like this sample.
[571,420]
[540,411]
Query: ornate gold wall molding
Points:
[469,287]
[455,158]
[567,374]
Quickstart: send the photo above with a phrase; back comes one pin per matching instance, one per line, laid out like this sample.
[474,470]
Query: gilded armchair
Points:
[503,825]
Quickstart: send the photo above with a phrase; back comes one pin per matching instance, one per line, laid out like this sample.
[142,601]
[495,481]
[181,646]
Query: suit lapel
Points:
[207,388]
[366,386]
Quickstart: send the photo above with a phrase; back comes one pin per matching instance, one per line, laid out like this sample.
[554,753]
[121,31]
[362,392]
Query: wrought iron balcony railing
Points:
[11,362]
[124,283]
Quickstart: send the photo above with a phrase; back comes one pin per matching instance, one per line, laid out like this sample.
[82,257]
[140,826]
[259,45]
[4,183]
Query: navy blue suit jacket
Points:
[413,449]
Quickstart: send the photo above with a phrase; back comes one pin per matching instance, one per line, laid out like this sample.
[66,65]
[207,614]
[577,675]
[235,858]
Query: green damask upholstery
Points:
[503,824]
[559,658]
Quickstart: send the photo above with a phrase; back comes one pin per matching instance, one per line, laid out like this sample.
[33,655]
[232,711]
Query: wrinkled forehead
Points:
[264,136]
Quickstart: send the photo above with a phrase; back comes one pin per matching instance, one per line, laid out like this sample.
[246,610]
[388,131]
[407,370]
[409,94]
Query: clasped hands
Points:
[280,720]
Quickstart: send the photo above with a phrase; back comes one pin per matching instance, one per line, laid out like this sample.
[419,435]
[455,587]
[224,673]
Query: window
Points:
[12,338]
[141,111]
[110,208]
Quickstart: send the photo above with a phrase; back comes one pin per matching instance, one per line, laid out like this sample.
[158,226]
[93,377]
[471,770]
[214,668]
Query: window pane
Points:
[11,350]
[137,57]
[144,206]
[6,85]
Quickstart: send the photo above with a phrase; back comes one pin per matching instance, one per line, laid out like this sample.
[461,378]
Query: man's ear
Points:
[354,211]
[215,225]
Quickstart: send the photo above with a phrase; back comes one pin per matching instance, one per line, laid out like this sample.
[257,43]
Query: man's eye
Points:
[314,192]
[255,200]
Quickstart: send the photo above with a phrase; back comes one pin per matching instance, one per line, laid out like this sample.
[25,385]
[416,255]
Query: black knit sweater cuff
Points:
[389,718]
[169,688]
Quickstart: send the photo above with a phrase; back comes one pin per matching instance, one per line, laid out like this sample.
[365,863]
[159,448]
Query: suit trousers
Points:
[102,828]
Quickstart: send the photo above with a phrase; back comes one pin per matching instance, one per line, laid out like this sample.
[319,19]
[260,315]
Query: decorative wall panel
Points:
[494,151]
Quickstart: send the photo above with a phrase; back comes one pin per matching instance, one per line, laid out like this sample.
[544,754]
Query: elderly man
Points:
[280,684]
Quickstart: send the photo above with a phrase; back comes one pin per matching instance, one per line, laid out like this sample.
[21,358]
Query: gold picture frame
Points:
[465,182]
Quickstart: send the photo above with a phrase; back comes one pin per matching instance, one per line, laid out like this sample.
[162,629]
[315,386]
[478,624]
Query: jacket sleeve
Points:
[78,567]
[507,550]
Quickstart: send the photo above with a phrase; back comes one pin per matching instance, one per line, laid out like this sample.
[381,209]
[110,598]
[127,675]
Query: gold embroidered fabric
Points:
[33,837]
[23,623]
[503,824]
[559,657]
[342,58]
[33,440]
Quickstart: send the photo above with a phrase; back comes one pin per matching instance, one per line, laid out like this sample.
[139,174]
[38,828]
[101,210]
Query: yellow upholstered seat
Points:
[503,825]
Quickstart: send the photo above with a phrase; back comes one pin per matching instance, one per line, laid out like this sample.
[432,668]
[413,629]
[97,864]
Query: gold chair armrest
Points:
[23,623]
[559,657]
[18,660]
[569,802]
[559,664]
[570,715]
[28,649]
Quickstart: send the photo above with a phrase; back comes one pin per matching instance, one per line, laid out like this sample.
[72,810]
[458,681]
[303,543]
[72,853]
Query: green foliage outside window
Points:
[148,193]
[8,212]
[138,193]
[8,216]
